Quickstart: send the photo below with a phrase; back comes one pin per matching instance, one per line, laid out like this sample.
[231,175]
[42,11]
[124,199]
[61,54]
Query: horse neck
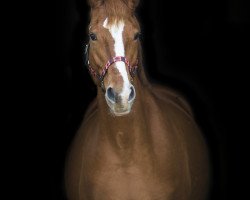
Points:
[127,131]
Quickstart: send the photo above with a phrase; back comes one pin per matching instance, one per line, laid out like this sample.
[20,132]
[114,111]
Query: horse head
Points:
[113,51]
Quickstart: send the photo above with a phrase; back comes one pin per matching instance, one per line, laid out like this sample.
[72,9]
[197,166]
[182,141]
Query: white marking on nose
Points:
[105,23]
[116,31]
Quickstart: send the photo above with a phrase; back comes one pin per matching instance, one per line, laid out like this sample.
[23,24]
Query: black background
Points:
[197,47]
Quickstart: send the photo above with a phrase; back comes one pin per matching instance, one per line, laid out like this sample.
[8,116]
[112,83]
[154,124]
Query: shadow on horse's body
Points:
[155,152]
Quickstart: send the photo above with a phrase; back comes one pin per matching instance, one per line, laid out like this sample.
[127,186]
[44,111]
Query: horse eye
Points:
[137,36]
[92,36]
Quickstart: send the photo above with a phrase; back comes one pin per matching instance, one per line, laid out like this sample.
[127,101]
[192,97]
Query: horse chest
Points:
[130,183]
[127,178]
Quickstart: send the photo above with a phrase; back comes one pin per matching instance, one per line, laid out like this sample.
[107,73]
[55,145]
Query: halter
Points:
[132,69]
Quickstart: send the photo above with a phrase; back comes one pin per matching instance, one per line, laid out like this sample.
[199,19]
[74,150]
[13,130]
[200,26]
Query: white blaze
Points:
[116,31]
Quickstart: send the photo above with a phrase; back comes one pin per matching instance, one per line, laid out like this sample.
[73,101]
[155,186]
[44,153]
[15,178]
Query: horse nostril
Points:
[132,93]
[111,94]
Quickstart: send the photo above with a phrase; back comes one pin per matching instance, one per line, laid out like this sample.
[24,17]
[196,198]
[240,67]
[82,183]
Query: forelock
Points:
[116,10]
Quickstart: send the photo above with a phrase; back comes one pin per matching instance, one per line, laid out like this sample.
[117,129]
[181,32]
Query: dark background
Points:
[197,47]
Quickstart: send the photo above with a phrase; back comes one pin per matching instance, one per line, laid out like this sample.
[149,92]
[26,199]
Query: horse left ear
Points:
[133,4]
[95,3]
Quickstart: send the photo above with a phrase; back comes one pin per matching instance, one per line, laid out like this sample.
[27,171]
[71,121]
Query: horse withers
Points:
[138,141]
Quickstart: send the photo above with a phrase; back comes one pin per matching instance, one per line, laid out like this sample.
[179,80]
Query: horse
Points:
[138,140]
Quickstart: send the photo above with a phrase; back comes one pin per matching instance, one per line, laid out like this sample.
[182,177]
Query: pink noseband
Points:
[132,69]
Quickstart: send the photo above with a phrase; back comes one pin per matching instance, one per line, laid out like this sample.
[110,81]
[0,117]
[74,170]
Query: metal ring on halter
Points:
[86,55]
[101,79]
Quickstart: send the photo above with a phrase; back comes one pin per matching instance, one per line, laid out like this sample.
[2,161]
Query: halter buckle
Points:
[86,55]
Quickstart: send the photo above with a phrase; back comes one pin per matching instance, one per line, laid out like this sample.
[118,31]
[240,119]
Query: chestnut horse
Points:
[138,141]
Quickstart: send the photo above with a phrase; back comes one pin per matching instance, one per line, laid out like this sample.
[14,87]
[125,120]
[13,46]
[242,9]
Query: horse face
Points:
[112,37]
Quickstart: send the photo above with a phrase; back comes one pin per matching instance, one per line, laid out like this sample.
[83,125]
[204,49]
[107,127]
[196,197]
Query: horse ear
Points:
[133,4]
[95,3]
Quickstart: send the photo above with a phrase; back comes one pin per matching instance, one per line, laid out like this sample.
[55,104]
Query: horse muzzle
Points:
[120,103]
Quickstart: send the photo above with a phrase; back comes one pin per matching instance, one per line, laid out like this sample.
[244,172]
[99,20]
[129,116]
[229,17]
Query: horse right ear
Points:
[95,3]
[132,4]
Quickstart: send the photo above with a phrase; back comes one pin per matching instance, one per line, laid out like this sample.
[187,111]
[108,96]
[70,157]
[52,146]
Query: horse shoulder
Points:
[180,130]
[91,110]
[169,95]
[85,136]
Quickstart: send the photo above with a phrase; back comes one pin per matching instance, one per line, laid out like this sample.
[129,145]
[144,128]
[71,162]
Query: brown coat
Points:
[156,152]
